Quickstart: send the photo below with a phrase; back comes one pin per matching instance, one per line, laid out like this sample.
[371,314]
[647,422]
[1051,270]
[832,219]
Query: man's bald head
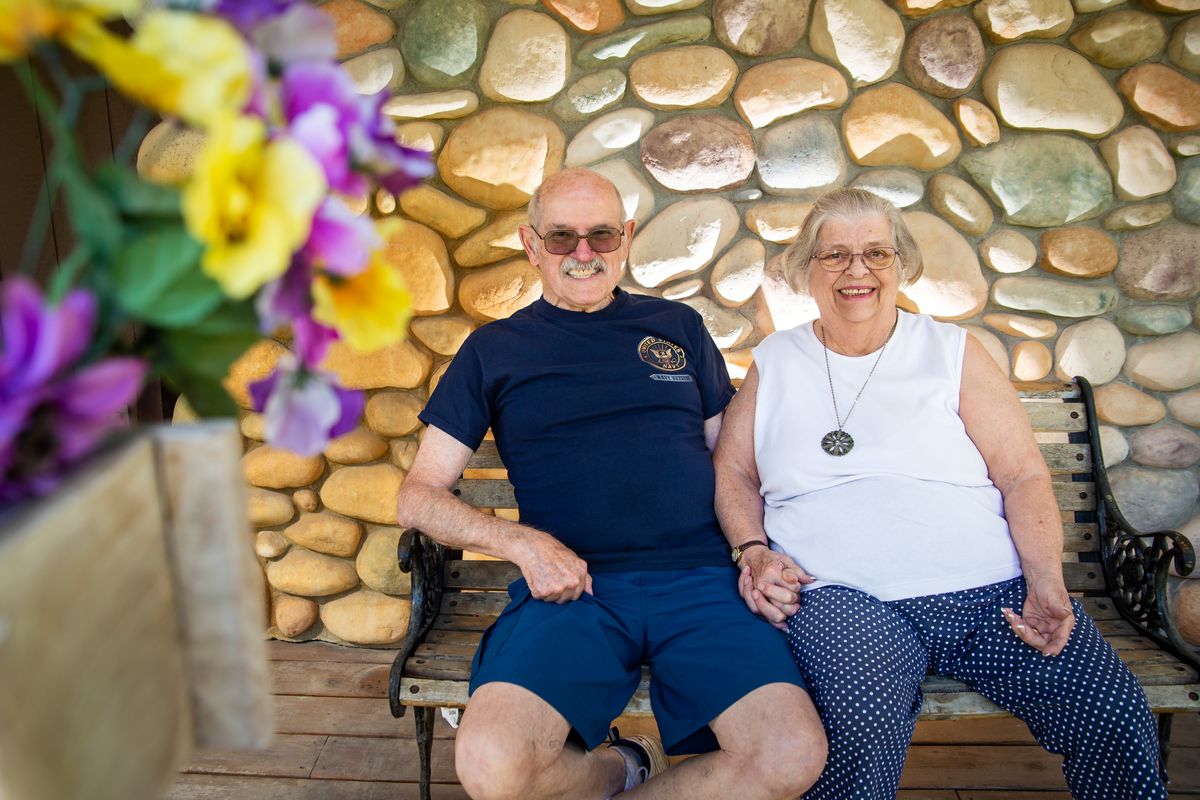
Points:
[566,180]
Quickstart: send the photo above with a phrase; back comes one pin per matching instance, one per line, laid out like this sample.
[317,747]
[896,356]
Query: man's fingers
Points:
[587,585]
[778,594]
[768,610]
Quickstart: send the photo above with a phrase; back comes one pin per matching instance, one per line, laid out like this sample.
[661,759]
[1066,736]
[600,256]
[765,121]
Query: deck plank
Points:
[379,759]
[227,787]
[289,756]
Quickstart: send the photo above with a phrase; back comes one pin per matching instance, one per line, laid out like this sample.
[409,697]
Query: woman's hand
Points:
[770,585]
[1048,618]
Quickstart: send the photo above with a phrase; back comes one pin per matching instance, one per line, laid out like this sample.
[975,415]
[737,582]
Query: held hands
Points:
[1046,622]
[554,573]
[770,585]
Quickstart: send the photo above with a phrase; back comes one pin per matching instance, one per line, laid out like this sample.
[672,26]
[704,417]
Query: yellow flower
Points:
[251,203]
[25,22]
[370,310]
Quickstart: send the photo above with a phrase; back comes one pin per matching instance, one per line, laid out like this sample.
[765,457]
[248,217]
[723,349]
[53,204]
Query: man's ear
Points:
[528,241]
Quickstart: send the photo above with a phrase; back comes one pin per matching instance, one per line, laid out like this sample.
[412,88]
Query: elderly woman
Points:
[891,467]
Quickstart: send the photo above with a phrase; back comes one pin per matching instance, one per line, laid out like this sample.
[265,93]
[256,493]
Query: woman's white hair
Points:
[852,205]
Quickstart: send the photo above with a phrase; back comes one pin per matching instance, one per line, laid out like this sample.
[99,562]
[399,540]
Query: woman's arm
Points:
[1000,429]
[770,581]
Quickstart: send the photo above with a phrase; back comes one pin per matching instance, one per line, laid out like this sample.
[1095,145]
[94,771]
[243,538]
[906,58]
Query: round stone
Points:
[1078,252]
[1185,609]
[325,533]
[527,59]
[1132,218]
[699,153]
[1186,195]
[168,153]
[1008,251]
[419,254]
[1165,446]
[1168,99]
[899,187]
[497,292]
[777,221]
[443,335]
[1153,320]
[609,134]
[589,16]
[727,327]
[357,26]
[1041,180]
[1058,298]
[682,239]
[978,122]
[1140,163]
[256,363]
[1161,264]
[1152,499]
[356,447]
[801,157]
[1186,146]
[443,41]
[738,273]
[1094,349]
[1005,21]
[306,500]
[694,76]
[377,564]
[1185,407]
[1017,325]
[270,544]
[630,42]
[399,366]
[499,156]
[393,413]
[893,125]
[683,289]
[1031,361]
[292,616]
[367,617]
[1174,6]
[368,493]
[760,27]
[919,8]
[449,216]
[864,37]
[952,284]
[1121,404]
[1046,87]
[1090,6]
[1166,364]
[1113,445]
[785,87]
[992,344]
[960,204]
[648,7]
[1120,39]
[494,242]
[637,196]
[1184,48]
[404,451]
[591,94]
[944,56]
[378,71]
[273,468]
[432,105]
[310,574]
[265,508]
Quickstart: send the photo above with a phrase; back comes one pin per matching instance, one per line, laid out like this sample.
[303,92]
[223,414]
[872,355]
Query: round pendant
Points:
[837,443]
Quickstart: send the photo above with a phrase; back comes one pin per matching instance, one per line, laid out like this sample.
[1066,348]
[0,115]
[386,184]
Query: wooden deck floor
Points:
[338,741]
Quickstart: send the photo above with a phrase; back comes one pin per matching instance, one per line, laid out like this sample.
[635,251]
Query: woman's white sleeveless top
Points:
[910,510]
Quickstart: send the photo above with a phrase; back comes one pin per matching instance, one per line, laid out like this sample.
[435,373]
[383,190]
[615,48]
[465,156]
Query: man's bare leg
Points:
[512,745]
[772,748]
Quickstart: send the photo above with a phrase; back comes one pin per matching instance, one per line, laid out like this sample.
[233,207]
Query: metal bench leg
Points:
[1164,744]
[423,719]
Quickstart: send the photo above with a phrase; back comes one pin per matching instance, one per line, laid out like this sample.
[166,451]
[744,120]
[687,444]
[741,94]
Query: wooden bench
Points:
[1118,572]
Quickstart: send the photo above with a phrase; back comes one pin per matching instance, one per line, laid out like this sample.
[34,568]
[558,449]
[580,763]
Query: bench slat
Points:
[1069,417]
[1067,458]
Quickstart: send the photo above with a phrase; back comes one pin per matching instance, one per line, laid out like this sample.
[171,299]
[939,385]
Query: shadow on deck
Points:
[337,741]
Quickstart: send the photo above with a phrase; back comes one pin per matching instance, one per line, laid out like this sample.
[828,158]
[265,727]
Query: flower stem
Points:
[133,136]
[68,270]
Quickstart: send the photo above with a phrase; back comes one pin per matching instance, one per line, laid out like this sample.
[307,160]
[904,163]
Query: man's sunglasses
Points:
[560,242]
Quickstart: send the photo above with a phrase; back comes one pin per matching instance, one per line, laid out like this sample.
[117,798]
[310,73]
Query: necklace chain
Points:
[829,374]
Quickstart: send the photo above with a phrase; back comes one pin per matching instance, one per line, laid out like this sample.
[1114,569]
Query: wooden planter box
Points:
[131,621]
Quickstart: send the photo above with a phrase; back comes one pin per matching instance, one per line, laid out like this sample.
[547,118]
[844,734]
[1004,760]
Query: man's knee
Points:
[779,739]
[790,761]
[492,767]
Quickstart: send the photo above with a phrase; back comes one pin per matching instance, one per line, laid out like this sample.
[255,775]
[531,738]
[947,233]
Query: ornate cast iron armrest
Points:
[1137,563]
[423,558]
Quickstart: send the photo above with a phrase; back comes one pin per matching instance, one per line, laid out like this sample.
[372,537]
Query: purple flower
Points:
[304,409]
[246,15]
[373,147]
[300,33]
[340,242]
[53,413]
[322,109]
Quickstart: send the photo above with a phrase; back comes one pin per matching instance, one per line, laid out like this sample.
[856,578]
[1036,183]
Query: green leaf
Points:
[206,351]
[94,217]
[139,198]
[157,278]
[206,396]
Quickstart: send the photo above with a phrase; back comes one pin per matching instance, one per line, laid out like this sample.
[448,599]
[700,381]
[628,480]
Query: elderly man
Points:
[605,407]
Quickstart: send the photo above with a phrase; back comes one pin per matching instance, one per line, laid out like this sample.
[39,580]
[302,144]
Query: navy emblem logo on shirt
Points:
[661,354]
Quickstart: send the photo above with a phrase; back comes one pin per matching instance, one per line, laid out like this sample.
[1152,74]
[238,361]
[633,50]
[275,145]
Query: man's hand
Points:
[770,585]
[1046,622]
[554,573]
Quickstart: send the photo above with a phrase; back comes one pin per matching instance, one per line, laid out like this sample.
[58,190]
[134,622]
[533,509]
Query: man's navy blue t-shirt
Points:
[599,418]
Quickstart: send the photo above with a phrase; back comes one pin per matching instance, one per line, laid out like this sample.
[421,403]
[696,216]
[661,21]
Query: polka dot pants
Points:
[864,660]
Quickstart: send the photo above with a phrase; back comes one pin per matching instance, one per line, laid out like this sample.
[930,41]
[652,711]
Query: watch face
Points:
[734,553]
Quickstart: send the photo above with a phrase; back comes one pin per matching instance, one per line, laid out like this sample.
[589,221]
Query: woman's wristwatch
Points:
[736,552]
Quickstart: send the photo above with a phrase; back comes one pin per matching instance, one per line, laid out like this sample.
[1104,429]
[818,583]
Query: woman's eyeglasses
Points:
[872,258]
[560,242]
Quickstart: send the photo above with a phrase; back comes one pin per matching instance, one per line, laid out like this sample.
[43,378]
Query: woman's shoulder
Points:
[926,326]
[783,341]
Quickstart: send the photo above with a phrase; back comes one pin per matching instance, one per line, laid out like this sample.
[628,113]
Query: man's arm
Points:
[712,429]
[425,501]
[1000,429]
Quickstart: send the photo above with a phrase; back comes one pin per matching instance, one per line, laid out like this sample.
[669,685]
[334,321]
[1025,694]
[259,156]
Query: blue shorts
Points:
[705,650]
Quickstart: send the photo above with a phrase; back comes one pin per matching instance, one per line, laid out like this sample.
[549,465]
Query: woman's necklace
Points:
[837,442]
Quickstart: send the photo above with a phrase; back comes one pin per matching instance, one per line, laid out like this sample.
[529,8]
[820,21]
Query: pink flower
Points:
[304,408]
